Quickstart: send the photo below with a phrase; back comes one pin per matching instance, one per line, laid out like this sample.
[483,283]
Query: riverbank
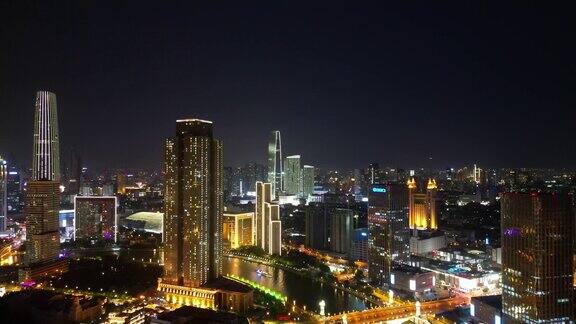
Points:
[370,301]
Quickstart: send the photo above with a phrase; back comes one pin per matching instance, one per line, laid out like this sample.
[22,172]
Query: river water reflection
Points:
[304,290]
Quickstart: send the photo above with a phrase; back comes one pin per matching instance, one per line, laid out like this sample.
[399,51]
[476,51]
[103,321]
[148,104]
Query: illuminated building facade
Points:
[275,246]
[193,205]
[193,218]
[292,175]
[14,196]
[42,199]
[95,217]
[266,214]
[307,180]
[263,195]
[41,211]
[46,150]
[121,183]
[341,233]
[359,245]
[66,225]
[422,205]
[537,277]
[3,193]
[237,230]
[275,171]
[386,216]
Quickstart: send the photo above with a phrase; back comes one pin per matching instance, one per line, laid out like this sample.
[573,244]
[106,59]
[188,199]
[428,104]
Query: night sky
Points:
[463,82]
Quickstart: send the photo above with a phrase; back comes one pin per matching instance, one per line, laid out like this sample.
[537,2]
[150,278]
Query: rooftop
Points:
[494,300]
[152,221]
[190,314]
[193,120]
[227,285]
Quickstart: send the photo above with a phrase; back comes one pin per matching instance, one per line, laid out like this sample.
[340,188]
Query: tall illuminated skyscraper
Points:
[307,180]
[46,148]
[263,195]
[3,193]
[292,175]
[41,208]
[386,216]
[537,273]
[42,199]
[193,205]
[341,230]
[268,224]
[275,171]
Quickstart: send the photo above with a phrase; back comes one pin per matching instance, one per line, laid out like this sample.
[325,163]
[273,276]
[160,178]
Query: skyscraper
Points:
[3,193]
[275,170]
[41,210]
[42,195]
[292,175]
[46,150]
[263,195]
[193,205]
[95,218]
[341,232]
[267,214]
[14,190]
[387,205]
[316,226]
[193,221]
[537,273]
[422,206]
[307,180]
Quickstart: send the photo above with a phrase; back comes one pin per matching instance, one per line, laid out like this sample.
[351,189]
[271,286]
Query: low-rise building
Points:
[426,242]
[412,279]
[47,306]
[237,230]
[221,294]
[190,314]
[486,309]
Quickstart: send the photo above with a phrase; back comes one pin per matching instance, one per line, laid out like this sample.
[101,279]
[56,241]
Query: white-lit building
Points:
[95,217]
[486,309]
[412,279]
[423,244]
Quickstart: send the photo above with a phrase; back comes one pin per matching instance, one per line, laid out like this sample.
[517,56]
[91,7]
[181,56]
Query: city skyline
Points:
[399,78]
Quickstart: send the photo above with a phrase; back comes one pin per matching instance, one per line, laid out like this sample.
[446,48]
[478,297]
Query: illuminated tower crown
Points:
[411,183]
[431,184]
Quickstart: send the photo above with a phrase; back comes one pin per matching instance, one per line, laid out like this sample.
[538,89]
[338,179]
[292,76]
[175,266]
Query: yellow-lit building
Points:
[193,221]
[237,230]
[422,205]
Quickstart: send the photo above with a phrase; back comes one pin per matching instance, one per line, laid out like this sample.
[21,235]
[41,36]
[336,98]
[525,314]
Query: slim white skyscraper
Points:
[46,154]
[42,194]
[268,225]
[275,170]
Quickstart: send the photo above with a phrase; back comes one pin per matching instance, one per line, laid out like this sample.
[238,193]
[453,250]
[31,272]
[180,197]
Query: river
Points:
[302,289]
